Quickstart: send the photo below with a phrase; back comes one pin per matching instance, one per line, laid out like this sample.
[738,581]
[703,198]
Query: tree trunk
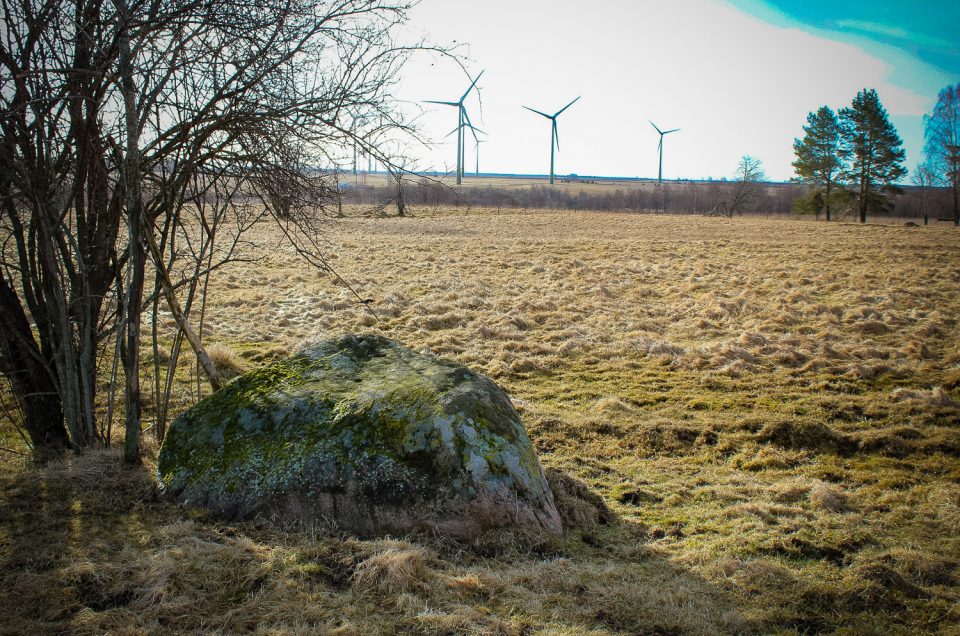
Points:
[131,349]
[22,363]
[137,256]
[827,201]
[865,184]
[401,205]
[956,203]
[195,342]
[862,203]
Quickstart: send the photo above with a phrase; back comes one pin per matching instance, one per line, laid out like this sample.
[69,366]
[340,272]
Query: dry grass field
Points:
[769,410]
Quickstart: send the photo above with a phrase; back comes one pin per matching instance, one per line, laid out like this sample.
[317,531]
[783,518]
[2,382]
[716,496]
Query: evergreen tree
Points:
[820,154]
[875,150]
[942,131]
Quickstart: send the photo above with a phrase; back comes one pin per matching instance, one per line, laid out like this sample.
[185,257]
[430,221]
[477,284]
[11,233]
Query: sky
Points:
[737,77]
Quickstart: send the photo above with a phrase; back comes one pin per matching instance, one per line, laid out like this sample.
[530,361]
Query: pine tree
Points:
[820,155]
[875,150]
[942,131]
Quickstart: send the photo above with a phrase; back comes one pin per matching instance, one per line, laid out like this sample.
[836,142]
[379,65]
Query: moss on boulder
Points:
[367,434]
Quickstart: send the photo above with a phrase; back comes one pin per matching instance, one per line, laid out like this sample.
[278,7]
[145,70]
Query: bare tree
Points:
[942,130]
[399,171]
[130,127]
[746,191]
[925,178]
[397,177]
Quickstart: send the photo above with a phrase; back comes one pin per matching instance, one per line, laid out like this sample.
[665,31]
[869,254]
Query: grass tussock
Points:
[747,429]
[227,362]
[393,570]
[828,498]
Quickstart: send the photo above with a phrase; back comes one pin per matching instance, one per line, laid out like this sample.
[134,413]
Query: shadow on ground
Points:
[88,547]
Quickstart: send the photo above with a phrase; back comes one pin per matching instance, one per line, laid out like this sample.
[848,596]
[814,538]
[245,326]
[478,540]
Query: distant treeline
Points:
[683,197]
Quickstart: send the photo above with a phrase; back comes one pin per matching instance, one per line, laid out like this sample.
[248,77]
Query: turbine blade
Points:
[466,115]
[476,130]
[655,126]
[660,145]
[566,107]
[556,134]
[538,112]
[430,101]
[472,84]
[467,124]
[667,132]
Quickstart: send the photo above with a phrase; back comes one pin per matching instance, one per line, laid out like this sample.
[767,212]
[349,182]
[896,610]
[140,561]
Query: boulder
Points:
[364,433]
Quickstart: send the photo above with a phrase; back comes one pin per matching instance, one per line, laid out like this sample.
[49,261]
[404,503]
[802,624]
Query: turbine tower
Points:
[554,137]
[477,143]
[476,140]
[462,119]
[660,149]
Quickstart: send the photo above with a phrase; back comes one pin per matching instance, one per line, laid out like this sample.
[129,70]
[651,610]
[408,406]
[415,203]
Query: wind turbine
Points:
[478,142]
[554,137]
[660,149]
[462,117]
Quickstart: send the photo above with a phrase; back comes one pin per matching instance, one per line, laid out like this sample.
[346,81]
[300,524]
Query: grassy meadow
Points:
[769,411]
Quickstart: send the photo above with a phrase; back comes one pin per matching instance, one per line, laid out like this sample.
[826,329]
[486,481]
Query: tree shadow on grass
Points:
[88,547]
[601,576]
[63,525]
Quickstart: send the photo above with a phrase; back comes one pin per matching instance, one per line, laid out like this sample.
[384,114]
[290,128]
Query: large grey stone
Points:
[364,433]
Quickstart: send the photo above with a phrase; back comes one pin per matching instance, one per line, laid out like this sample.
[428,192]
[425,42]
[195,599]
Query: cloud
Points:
[897,33]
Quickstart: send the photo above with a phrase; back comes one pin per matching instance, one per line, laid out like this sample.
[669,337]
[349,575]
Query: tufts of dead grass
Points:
[227,362]
[828,498]
[767,429]
[805,435]
[395,569]
[755,574]
[579,507]
[935,398]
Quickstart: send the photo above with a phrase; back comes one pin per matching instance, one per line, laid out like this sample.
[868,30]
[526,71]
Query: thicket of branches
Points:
[139,138]
[942,132]
[680,197]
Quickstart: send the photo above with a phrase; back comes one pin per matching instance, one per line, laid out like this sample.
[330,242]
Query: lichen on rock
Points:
[364,433]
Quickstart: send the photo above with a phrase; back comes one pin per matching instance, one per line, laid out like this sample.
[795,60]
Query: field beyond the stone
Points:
[770,409]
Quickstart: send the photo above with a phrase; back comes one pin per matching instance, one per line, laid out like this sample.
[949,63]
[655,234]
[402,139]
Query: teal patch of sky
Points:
[918,39]
[926,30]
